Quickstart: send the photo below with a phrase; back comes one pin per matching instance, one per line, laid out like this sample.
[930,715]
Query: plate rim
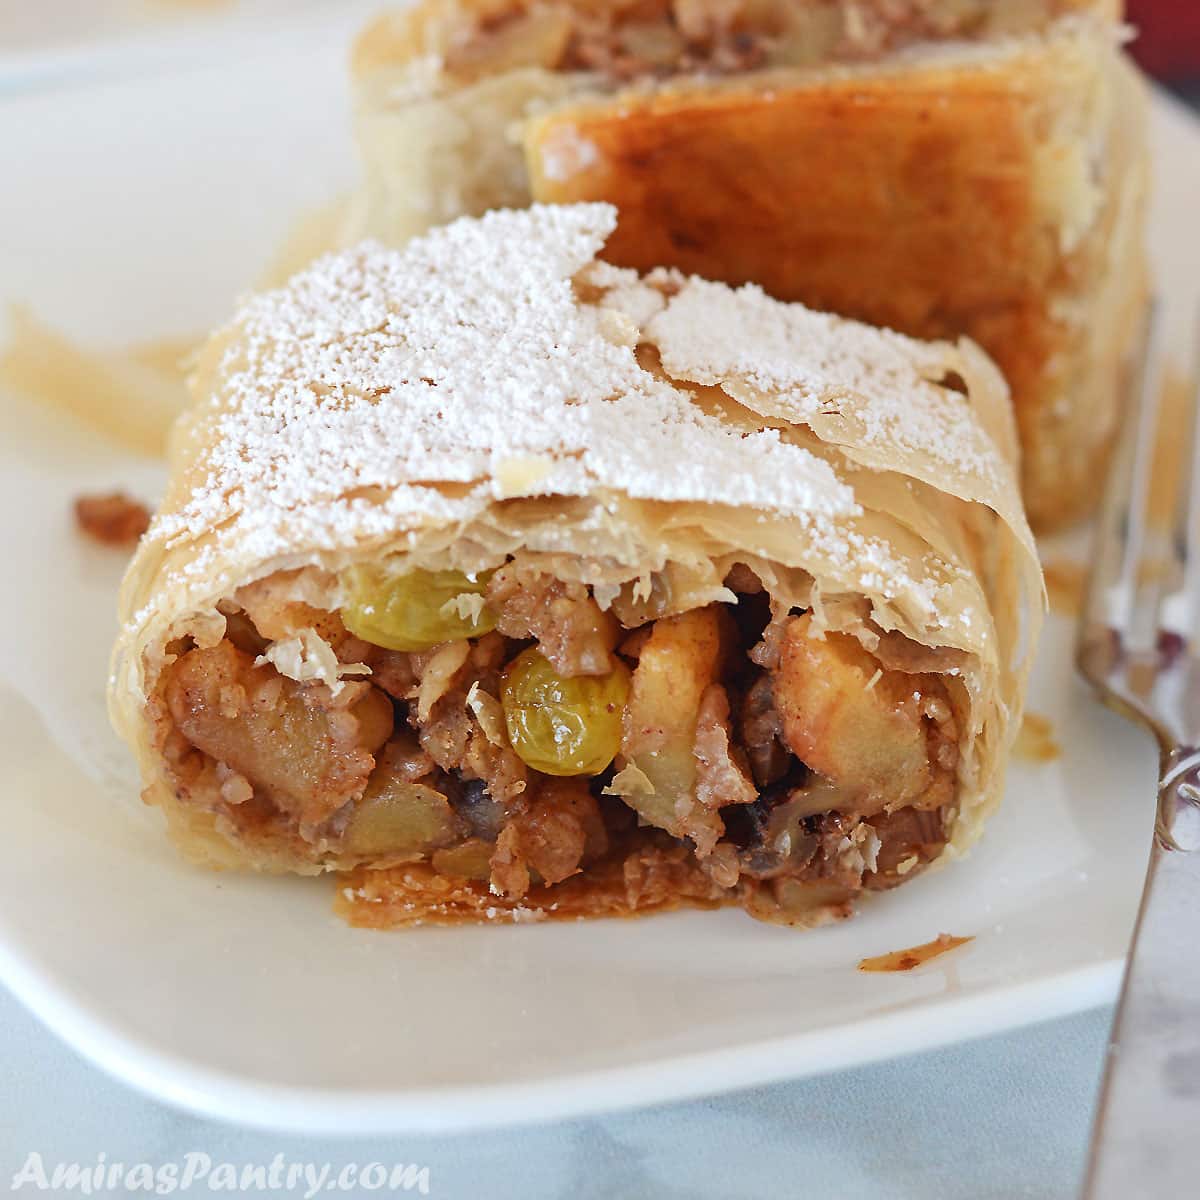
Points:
[222,1095]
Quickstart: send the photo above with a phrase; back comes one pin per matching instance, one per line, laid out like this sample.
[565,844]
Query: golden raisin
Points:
[559,725]
[415,610]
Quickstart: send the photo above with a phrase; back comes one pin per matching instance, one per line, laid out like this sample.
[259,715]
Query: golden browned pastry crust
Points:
[643,881]
[991,186]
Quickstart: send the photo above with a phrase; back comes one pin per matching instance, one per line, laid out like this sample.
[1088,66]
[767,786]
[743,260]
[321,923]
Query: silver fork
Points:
[1138,647]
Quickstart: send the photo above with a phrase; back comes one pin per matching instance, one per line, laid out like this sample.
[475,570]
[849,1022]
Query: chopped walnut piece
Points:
[510,874]
[742,579]
[723,866]
[910,839]
[277,614]
[114,520]
[503,774]
[391,670]
[572,631]
[550,839]
[761,730]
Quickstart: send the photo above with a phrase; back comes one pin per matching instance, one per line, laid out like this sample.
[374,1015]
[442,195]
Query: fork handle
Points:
[1146,1140]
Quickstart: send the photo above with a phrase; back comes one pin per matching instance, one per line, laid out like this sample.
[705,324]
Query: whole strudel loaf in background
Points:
[520,585]
[940,167]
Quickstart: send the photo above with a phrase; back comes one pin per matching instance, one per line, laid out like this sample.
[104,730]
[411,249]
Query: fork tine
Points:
[1161,994]
[1121,530]
[1179,608]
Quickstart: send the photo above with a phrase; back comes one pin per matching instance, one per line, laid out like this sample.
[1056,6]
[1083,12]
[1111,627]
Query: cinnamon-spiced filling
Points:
[623,40]
[552,734]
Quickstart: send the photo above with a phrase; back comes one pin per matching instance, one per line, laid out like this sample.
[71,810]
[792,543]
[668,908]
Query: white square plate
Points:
[136,208]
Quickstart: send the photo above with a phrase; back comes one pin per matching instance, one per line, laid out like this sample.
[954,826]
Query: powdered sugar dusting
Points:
[383,393]
[806,362]
[388,387]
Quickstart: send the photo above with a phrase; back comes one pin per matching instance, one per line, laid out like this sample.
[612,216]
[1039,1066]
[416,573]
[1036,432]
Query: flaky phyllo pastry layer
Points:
[940,167]
[515,585]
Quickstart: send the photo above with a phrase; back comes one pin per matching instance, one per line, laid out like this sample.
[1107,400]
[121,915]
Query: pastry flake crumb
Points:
[1036,742]
[526,916]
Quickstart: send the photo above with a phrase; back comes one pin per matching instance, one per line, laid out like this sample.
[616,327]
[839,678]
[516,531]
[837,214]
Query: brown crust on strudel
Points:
[646,880]
[917,200]
[932,168]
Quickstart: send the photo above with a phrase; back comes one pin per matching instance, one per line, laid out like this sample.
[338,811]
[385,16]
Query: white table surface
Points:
[1001,1118]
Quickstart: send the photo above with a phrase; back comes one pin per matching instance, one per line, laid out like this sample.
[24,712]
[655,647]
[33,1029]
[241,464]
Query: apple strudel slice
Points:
[515,584]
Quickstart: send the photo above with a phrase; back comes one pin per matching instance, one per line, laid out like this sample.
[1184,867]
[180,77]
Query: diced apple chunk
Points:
[310,754]
[470,860]
[675,666]
[858,726]
[399,816]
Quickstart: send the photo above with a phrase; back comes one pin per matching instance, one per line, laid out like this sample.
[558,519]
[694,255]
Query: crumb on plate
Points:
[1036,741]
[914,956]
[114,519]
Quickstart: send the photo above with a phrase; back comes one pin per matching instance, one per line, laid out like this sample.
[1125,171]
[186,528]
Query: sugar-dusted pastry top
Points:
[467,351]
[382,390]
